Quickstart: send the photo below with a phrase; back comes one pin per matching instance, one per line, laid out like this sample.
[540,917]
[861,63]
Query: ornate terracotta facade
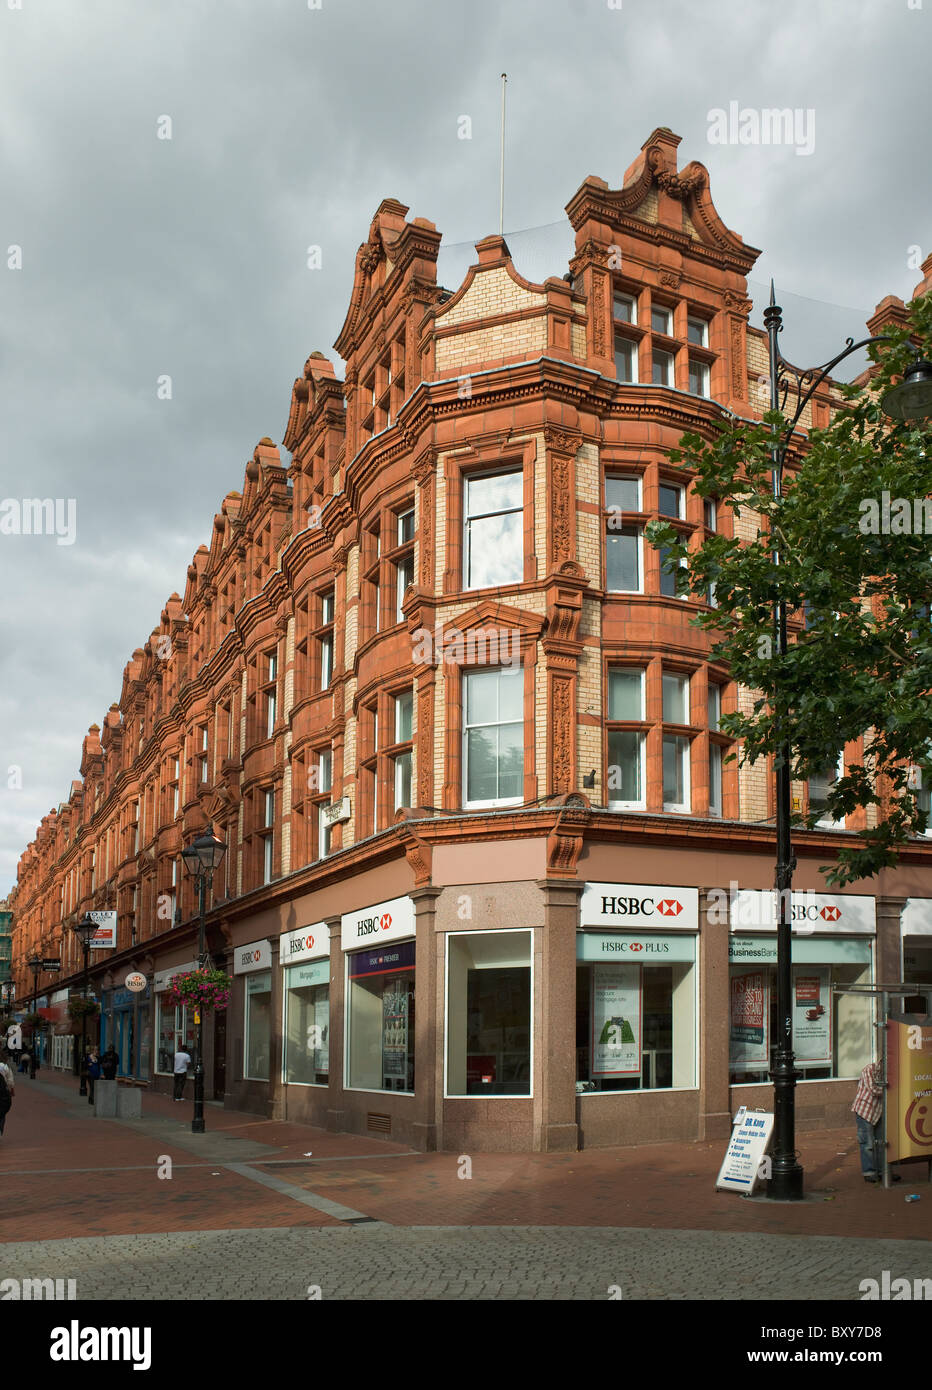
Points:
[274,685]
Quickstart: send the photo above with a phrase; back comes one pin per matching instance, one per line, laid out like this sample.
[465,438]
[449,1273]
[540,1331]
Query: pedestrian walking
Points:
[109,1062]
[868,1112]
[7,1091]
[92,1067]
[23,1062]
[182,1062]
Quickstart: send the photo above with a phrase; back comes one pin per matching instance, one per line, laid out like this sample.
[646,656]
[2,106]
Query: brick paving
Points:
[247,1213]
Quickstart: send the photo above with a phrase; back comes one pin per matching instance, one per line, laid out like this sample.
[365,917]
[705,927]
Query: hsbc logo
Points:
[831,913]
[635,946]
[641,907]
[385,921]
[669,907]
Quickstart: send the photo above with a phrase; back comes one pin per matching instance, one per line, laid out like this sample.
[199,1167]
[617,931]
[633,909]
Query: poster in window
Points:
[812,1013]
[322,1031]
[616,1020]
[394,1029]
[750,1017]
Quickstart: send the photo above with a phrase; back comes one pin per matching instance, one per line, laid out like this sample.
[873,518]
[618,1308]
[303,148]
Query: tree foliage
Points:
[859,660]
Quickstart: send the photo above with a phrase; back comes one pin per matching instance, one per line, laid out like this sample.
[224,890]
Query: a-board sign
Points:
[750,1139]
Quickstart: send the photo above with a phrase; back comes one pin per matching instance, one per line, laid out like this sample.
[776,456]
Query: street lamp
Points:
[910,400]
[35,964]
[84,930]
[201,859]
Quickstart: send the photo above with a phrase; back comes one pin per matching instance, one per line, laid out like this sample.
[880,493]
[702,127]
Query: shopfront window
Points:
[380,1018]
[635,1012]
[306,1060]
[831,1027]
[176,1031]
[489,995]
[257,1043]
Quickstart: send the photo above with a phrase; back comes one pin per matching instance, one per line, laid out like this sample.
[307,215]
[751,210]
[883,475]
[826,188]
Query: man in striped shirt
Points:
[868,1112]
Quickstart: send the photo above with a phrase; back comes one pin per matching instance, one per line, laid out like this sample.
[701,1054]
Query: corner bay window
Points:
[493,544]
[306,1042]
[380,1018]
[635,1011]
[489,1013]
[493,736]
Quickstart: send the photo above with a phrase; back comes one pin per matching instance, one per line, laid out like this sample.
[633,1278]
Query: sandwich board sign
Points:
[750,1139]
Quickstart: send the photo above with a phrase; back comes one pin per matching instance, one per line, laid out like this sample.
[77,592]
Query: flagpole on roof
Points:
[501,196]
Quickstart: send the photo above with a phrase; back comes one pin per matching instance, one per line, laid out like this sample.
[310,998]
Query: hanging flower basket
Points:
[200,989]
[33,1021]
[82,1008]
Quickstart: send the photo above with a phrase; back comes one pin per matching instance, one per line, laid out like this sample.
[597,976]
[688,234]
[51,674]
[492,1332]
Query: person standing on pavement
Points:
[182,1062]
[109,1063]
[868,1113]
[92,1067]
[7,1092]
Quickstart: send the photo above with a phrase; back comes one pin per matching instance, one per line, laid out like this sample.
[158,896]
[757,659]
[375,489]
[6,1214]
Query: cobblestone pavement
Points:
[262,1208]
[453,1262]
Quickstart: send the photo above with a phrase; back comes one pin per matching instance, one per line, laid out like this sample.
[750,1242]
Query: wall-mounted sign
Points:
[105,937]
[338,811]
[644,948]
[809,912]
[52,965]
[135,982]
[163,978]
[653,906]
[256,956]
[307,943]
[371,926]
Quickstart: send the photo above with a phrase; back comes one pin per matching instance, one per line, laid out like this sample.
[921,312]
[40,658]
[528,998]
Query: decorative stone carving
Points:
[739,302]
[671,278]
[561,513]
[738,368]
[561,724]
[427,533]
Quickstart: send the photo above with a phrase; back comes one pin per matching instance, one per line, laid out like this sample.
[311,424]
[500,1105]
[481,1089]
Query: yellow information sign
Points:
[909,1093]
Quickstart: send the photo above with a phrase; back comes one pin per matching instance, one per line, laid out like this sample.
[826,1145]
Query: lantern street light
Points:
[202,859]
[84,930]
[911,399]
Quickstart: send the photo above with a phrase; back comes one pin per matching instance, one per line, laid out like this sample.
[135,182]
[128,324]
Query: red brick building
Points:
[440,619]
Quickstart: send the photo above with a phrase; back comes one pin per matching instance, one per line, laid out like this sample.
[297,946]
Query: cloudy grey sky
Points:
[188,256]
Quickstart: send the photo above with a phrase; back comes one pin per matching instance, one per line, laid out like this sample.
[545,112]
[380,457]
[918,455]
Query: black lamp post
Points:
[910,400]
[35,964]
[202,859]
[84,930]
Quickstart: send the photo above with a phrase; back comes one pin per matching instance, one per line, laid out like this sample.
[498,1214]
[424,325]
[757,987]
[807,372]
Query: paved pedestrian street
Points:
[266,1209]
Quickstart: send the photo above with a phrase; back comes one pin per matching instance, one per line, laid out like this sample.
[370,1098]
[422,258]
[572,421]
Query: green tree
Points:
[862,663]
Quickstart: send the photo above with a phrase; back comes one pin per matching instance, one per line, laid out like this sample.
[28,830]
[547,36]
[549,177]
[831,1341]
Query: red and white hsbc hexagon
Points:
[306,943]
[639,907]
[370,926]
[811,914]
[254,955]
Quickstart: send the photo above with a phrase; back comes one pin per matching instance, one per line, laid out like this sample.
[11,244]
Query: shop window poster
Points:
[394,1030]
[750,1017]
[812,1014]
[616,1020]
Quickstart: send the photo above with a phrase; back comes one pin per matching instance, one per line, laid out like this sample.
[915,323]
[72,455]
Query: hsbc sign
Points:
[370,926]
[633,905]
[307,943]
[809,912]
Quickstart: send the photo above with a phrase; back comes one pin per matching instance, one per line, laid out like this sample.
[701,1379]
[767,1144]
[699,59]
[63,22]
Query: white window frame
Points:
[446,1015]
[687,786]
[684,679]
[632,303]
[716,754]
[467,519]
[641,804]
[692,319]
[662,309]
[632,380]
[705,379]
[826,822]
[499,801]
